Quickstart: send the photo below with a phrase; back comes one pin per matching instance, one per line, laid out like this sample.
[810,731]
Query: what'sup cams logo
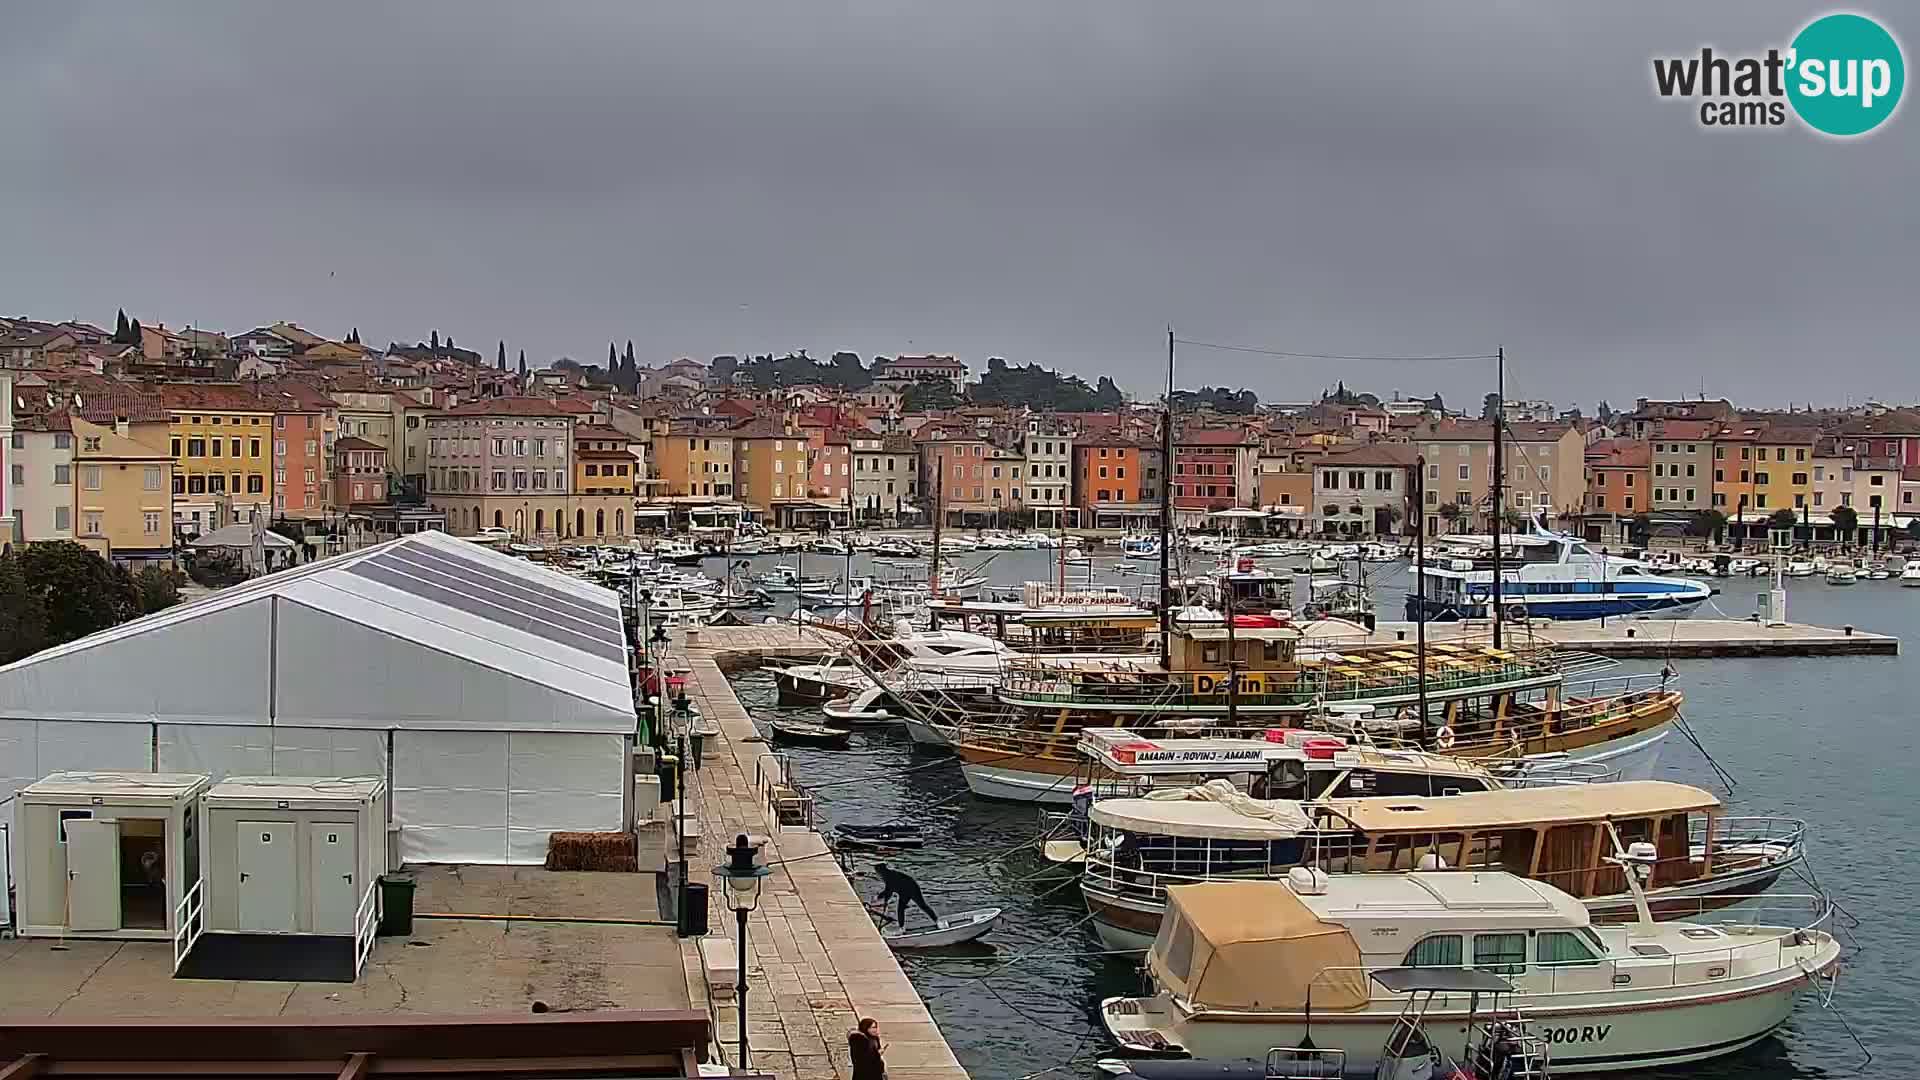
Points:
[1842,76]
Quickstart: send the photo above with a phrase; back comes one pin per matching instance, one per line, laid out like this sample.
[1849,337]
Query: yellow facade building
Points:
[123,494]
[221,438]
[699,462]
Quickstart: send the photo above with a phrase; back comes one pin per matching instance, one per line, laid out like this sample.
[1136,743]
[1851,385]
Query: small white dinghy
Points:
[950,930]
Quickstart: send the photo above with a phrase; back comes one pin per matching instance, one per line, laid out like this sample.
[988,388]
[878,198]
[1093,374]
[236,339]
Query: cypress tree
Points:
[502,355]
[133,332]
[121,327]
[434,342]
[523,363]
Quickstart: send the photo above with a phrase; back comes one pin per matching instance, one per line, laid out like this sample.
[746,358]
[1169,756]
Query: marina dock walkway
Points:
[1661,638]
[816,961]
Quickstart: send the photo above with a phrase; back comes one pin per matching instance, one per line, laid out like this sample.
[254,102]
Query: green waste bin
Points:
[396,906]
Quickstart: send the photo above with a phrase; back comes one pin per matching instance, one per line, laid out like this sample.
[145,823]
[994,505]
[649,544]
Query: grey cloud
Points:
[1052,183]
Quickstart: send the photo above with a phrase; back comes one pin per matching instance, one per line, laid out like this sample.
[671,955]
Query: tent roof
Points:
[426,631]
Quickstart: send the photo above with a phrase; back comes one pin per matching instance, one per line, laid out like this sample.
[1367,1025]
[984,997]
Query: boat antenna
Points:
[1166,513]
[1499,497]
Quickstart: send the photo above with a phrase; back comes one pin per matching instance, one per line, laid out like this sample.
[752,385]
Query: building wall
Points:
[1207,477]
[1539,474]
[301,480]
[830,470]
[1049,454]
[883,481]
[1619,489]
[1280,487]
[1108,476]
[769,468]
[484,467]
[697,464]
[1682,474]
[1783,475]
[962,466]
[40,484]
[359,477]
[123,493]
[192,432]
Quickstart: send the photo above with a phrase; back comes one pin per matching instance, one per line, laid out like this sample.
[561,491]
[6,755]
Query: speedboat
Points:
[848,593]
[1841,574]
[1241,968]
[679,552]
[1910,574]
[1547,575]
[1140,547]
[787,579]
[1800,568]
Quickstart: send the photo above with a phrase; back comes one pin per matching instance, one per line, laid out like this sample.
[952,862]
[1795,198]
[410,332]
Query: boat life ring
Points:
[1443,738]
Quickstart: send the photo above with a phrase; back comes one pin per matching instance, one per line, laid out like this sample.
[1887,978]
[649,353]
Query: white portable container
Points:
[294,855]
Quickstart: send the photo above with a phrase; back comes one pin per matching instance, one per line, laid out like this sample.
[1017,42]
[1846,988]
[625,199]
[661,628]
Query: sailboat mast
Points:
[1499,475]
[1419,512]
[1166,513]
[939,516]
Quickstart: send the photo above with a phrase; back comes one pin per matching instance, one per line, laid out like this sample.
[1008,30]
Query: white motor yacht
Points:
[787,579]
[1243,968]
[1841,574]
[1910,574]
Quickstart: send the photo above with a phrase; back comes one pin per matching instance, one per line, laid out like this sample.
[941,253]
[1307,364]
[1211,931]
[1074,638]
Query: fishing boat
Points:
[1138,848]
[947,930]
[804,734]
[1545,575]
[1482,703]
[1241,968]
[879,837]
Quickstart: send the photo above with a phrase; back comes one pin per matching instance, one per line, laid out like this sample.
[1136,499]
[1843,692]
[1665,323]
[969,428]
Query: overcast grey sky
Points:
[1048,182]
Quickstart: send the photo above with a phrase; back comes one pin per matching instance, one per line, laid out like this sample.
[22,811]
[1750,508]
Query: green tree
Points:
[1845,521]
[928,395]
[500,357]
[23,613]
[79,589]
[1490,407]
[434,341]
[157,587]
[523,363]
[1913,529]
[134,331]
[1705,523]
[121,328]
[1782,518]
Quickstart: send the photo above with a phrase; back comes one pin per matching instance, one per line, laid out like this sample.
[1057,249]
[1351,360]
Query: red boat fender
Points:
[1323,749]
[1280,734]
[1255,621]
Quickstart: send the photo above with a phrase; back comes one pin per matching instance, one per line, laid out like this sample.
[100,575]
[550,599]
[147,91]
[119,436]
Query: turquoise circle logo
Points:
[1847,74]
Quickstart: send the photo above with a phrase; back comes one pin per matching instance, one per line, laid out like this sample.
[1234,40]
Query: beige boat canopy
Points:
[1253,945]
[1214,809]
[1523,807]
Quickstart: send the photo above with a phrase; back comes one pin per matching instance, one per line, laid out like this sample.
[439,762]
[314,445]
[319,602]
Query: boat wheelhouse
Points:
[1482,703]
[1244,967]
[1563,835]
[1543,575]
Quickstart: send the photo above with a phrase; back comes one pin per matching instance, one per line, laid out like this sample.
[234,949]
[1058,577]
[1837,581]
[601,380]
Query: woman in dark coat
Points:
[863,1043]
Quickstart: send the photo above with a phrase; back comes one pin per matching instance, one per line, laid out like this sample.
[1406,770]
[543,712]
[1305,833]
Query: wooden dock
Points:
[817,963]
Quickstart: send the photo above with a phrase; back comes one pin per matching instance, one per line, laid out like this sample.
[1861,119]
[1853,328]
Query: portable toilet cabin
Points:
[107,855]
[293,867]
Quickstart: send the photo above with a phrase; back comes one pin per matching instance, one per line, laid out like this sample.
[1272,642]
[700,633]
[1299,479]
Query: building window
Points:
[90,477]
[1466,471]
[62,518]
[153,522]
[62,474]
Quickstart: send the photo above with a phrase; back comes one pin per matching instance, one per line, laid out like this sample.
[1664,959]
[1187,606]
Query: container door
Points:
[331,876]
[267,875]
[93,874]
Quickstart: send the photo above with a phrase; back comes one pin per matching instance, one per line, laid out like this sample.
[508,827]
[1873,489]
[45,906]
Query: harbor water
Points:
[1830,740]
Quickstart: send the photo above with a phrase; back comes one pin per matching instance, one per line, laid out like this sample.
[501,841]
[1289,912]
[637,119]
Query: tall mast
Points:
[1420,581]
[1166,513]
[1499,475]
[939,516]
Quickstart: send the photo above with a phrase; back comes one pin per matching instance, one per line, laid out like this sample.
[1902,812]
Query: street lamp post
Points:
[741,875]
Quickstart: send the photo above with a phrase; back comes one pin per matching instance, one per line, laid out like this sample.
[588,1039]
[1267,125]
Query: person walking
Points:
[904,887]
[863,1043]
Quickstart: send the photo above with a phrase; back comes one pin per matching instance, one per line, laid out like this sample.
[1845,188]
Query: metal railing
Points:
[189,922]
[1778,840]
[782,796]
[366,923]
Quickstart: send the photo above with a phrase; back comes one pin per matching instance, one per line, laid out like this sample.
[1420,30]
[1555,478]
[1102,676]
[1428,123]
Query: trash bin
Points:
[669,766]
[693,917]
[396,906]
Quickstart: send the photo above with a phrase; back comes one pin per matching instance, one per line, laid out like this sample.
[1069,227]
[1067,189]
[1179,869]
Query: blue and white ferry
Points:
[1544,574]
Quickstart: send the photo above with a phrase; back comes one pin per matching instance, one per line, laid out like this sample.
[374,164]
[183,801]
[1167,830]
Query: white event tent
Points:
[491,693]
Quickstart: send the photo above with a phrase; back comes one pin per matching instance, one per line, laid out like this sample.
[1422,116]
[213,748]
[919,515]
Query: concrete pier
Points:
[1661,638]
[816,962]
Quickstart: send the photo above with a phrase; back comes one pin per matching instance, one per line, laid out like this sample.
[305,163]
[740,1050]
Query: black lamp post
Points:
[741,876]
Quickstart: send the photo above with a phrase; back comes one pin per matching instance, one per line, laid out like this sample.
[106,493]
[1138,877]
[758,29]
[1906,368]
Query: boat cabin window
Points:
[1198,857]
[1629,571]
[1502,954]
[1580,549]
[1270,651]
[1209,654]
[1440,950]
[1366,782]
[1178,956]
[1562,947]
[1405,851]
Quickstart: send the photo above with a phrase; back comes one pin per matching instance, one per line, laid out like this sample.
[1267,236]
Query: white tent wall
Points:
[30,749]
[471,796]
[211,670]
[223,750]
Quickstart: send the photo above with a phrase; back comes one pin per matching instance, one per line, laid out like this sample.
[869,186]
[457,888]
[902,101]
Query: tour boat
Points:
[1138,848]
[1544,575]
[1482,703]
[1242,968]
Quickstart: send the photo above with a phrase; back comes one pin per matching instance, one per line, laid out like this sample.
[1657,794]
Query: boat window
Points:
[1561,947]
[1210,654]
[1440,950]
[1178,955]
[1580,549]
[1502,954]
[1629,571]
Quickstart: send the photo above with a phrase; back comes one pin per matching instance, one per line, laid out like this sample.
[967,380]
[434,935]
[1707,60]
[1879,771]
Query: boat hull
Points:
[1565,610]
[927,735]
[1587,1038]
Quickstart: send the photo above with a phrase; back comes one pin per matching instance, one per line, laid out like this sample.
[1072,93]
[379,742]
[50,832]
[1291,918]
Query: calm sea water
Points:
[1829,740]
